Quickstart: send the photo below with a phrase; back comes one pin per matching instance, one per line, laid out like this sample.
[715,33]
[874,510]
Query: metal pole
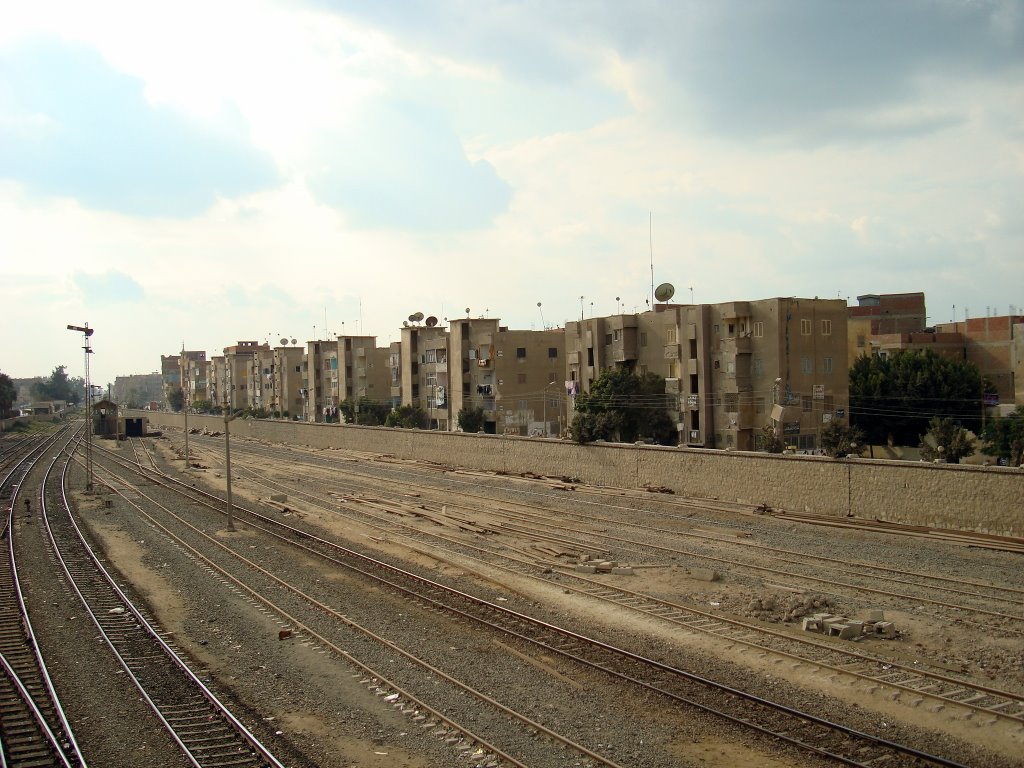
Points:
[188,462]
[227,462]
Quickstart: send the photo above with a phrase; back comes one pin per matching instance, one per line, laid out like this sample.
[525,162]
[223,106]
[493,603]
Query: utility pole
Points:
[228,418]
[86,332]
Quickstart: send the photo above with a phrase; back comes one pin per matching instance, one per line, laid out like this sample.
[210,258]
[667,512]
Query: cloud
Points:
[108,287]
[71,126]
[401,165]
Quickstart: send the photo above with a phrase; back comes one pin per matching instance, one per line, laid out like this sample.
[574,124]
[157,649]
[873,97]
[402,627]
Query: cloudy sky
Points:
[203,172]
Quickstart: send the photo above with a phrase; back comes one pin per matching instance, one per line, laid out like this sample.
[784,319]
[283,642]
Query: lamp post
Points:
[228,418]
[188,460]
[849,480]
[86,332]
[544,396]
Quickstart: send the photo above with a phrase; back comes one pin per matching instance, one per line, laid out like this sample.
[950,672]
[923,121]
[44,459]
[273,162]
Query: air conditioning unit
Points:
[482,363]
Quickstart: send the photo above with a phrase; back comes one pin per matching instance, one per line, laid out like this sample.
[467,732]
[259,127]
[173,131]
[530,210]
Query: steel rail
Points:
[222,711]
[579,638]
[882,677]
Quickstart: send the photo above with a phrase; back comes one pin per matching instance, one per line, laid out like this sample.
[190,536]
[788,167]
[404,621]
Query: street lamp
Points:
[228,418]
[86,332]
[544,396]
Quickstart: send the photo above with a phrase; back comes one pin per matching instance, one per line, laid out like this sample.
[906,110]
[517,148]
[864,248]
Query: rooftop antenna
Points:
[542,326]
[650,241]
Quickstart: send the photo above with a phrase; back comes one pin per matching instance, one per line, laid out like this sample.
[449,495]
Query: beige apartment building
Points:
[363,371]
[237,390]
[734,367]
[320,386]
[194,375]
[514,376]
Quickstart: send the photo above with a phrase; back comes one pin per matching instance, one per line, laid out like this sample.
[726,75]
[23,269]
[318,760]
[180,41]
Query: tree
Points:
[622,406]
[371,413]
[407,417]
[893,398]
[768,441]
[176,398]
[59,387]
[946,441]
[1003,438]
[838,439]
[8,394]
[471,419]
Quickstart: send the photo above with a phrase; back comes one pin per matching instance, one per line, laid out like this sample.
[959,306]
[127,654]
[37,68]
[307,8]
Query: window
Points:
[617,334]
[732,402]
[607,338]
[805,365]
[551,378]
[693,349]
[759,330]
[805,327]
[860,339]
[552,353]
[758,405]
[806,403]
[670,335]
[520,378]
[732,329]
[643,338]
[757,366]
[522,405]
[826,365]
[642,370]
[520,353]
[826,327]
[430,356]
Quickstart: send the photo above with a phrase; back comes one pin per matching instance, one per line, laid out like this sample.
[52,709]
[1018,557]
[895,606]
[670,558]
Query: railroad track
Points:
[34,731]
[797,729]
[909,683]
[872,577]
[203,727]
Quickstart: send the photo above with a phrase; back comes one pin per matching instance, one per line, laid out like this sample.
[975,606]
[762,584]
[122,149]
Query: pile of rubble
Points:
[850,629]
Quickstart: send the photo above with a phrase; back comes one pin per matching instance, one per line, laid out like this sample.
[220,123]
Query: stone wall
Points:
[982,499]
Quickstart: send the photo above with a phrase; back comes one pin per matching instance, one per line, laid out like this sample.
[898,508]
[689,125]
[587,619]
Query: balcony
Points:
[672,352]
[574,358]
[672,386]
[738,345]
[735,309]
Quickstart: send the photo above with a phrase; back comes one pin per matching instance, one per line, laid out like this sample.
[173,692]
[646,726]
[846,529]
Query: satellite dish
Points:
[467,311]
[431,321]
[417,317]
[412,318]
[293,341]
[664,292]
[283,342]
[405,323]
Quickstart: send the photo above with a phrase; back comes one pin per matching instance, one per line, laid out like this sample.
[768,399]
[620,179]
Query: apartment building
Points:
[734,367]
[170,375]
[996,346]
[363,369]
[193,373]
[880,315]
[424,374]
[320,387]
[237,391]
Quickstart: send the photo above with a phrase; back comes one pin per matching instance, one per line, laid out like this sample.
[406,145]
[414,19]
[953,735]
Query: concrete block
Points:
[622,570]
[885,629]
[810,624]
[604,566]
[279,497]
[876,615]
[586,569]
[703,574]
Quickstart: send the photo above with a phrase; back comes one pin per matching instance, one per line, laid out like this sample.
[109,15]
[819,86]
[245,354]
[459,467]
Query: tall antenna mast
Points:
[650,239]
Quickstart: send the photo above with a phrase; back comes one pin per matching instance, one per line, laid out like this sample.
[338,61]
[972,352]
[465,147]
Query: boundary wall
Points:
[980,499]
